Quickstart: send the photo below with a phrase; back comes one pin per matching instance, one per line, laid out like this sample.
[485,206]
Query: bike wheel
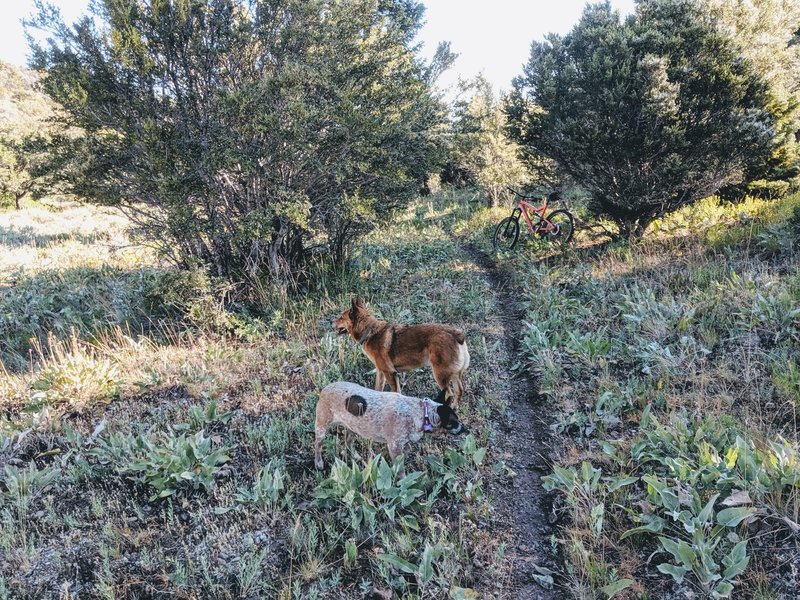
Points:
[506,234]
[564,227]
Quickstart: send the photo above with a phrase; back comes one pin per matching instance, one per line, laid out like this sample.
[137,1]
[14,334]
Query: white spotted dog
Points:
[386,417]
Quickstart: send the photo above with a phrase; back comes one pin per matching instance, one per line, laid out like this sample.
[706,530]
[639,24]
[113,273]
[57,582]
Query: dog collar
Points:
[427,427]
[365,335]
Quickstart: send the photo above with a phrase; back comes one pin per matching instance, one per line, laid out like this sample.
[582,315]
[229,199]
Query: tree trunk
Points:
[632,228]
[17,198]
[625,229]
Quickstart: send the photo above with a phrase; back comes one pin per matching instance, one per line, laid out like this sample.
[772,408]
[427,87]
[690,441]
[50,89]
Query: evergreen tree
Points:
[647,115]
[765,32]
[244,134]
[480,146]
[26,137]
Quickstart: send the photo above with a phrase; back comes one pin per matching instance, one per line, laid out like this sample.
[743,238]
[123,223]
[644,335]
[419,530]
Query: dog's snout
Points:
[459,429]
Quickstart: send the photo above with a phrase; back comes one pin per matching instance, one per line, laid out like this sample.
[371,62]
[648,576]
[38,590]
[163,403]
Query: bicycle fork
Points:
[515,214]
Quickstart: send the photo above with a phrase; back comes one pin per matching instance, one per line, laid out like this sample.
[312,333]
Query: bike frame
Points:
[542,224]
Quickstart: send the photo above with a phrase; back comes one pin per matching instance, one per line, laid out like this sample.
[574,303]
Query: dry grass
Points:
[65,235]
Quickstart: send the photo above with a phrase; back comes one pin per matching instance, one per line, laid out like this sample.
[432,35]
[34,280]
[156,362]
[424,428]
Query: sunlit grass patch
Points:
[66,235]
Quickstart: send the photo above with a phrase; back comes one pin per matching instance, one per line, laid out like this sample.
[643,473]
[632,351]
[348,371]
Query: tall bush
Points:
[26,138]
[647,114]
[245,134]
[768,33]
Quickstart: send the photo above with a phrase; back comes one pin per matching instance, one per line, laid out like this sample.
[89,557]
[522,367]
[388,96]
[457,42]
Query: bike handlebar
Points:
[550,197]
[520,194]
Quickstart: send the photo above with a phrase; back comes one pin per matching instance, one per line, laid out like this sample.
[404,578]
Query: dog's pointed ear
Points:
[354,308]
[355,304]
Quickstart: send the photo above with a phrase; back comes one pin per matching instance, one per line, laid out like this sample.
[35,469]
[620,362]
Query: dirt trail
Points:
[523,441]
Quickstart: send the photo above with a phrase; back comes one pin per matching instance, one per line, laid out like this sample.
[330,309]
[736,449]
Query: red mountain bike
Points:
[556,227]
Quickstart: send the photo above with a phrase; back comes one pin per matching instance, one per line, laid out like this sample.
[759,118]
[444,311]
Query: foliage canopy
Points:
[480,145]
[767,32]
[647,115]
[244,134]
[26,137]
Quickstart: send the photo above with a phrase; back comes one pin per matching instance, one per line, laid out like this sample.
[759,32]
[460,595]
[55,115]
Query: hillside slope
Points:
[157,441]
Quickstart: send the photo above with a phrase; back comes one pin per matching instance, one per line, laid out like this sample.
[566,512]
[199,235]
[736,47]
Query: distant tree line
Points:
[26,138]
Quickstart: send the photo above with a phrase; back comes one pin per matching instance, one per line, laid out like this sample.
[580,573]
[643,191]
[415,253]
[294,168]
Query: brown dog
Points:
[396,348]
[385,417]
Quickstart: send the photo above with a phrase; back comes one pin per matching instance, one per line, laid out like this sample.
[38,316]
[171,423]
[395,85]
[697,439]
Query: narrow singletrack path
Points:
[522,440]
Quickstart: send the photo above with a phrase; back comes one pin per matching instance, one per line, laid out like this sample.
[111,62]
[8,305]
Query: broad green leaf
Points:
[731,517]
[367,472]
[737,553]
[679,549]
[655,526]
[426,565]
[615,483]
[590,474]
[612,589]
[723,590]
[736,569]
[596,515]
[676,571]
[608,449]
[384,480]
[561,478]
[398,562]
[705,514]
[469,446]
[661,492]
[645,420]
[736,561]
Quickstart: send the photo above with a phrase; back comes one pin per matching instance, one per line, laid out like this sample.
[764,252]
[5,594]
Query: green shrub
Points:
[167,463]
[269,488]
[21,487]
[318,121]
[74,377]
[362,494]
